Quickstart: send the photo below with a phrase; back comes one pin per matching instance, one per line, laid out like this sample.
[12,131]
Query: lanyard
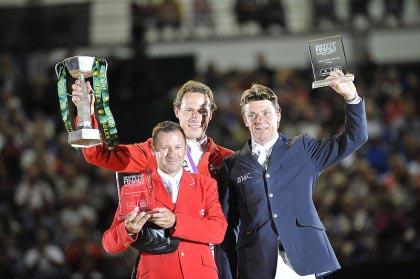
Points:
[191,161]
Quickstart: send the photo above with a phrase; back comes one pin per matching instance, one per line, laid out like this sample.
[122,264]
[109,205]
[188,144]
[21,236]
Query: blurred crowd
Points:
[54,206]
[266,16]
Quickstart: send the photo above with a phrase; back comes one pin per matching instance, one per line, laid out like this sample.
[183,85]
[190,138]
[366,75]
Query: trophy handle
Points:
[57,70]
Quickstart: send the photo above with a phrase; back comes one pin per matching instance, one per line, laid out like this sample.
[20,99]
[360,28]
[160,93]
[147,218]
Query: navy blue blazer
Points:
[268,207]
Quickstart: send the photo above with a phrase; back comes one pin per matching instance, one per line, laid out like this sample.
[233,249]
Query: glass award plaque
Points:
[328,55]
[134,189]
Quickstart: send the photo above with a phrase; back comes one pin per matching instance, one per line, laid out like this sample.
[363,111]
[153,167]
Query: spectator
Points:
[272,14]
[44,259]
[33,192]
[202,13]
[324,13]
[393,11]
[359,12]
[169,14]
[246,11]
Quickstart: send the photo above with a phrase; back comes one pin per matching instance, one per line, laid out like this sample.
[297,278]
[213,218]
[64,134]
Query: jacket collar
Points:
[211,147]
[248,158]
[162,195]
[279,148]
[211,150]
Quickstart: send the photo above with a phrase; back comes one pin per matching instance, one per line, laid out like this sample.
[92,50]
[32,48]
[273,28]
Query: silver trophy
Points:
[80,67]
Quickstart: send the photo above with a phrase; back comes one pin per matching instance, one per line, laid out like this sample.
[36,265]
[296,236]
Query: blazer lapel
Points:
[185,186]
[246,157]
[161,194]
[277,154]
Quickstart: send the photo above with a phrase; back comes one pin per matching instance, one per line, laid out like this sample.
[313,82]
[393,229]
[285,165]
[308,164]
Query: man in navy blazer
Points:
[266,193]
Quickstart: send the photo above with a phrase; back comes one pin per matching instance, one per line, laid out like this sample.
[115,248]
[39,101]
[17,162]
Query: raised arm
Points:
[325,152]
[129,158]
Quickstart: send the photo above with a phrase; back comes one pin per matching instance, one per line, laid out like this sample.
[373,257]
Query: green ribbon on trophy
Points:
[84,136]
[68,119]
[102,110]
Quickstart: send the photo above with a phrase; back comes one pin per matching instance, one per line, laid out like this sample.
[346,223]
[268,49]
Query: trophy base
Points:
[84,138]
[323,83]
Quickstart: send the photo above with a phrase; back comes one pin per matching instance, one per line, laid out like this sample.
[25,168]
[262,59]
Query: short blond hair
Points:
[259,92]
[193,86]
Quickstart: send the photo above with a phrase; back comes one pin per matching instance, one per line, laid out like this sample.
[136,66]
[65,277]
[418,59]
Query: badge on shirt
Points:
[186,166]
[202,212]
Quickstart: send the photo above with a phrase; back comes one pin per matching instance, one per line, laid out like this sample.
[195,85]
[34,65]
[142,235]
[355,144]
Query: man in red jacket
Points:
[193,106]
[187,204]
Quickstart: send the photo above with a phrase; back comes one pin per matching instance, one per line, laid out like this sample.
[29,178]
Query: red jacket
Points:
[138,157]
[199,221]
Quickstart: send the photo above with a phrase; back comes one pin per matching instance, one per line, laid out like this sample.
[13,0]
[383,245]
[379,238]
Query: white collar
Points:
[200,143]
[266,147]
[166,177]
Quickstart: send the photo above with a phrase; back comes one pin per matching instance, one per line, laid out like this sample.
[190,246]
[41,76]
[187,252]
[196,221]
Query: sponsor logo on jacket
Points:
[243,177]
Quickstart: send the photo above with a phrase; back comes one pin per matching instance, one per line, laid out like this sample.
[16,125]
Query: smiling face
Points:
[194,114]
[169,149]
[262,120]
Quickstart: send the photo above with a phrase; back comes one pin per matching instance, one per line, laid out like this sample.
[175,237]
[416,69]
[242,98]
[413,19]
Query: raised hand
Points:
[77,92]
[345,89]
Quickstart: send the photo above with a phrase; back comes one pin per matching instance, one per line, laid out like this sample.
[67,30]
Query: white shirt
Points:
[195,148]
[171,183]
[263,151]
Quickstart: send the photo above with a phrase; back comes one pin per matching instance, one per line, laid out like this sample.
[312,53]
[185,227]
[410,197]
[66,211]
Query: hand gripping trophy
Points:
[83,67]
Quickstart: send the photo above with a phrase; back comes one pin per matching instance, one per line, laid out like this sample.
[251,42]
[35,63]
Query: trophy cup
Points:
[327,55]
[83,67]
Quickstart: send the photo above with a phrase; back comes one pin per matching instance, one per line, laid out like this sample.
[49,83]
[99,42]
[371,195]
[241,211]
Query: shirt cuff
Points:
[355,100]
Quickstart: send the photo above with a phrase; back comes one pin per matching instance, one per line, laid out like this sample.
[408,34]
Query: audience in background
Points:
[323,13]
[246,11]
[202,13]
[394,10]
[256,17]
[169,14]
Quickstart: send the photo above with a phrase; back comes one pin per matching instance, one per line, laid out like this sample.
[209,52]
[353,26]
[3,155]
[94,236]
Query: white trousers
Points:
[284,271]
